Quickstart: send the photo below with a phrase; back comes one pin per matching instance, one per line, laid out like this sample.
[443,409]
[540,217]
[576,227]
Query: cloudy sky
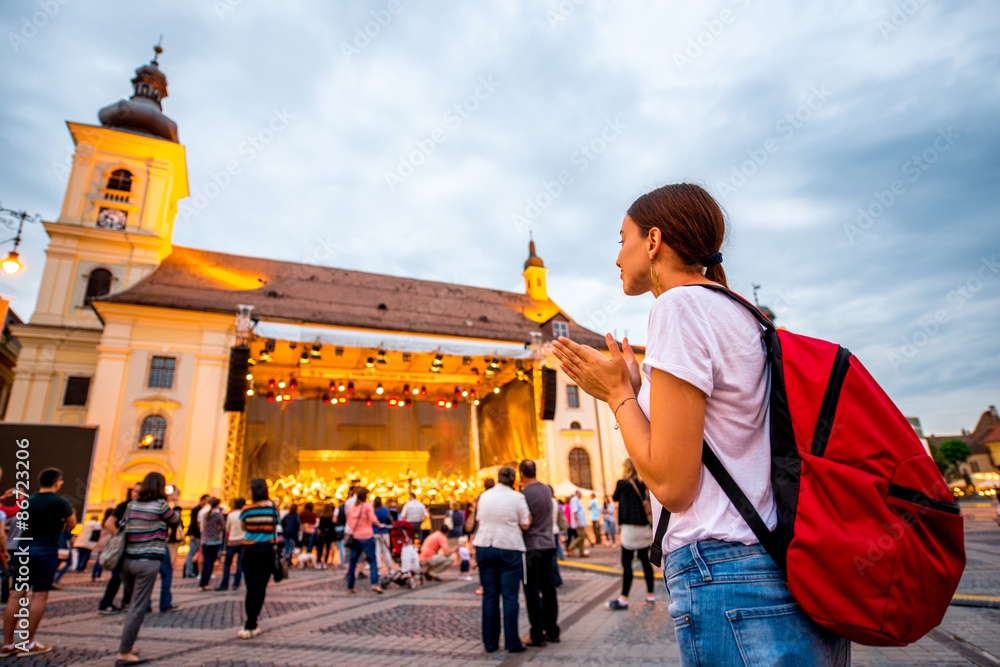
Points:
[855,149]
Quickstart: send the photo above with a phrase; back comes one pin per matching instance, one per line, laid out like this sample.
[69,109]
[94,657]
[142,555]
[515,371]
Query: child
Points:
[465,555]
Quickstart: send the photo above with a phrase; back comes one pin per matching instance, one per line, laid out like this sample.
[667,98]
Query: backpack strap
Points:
[739,500]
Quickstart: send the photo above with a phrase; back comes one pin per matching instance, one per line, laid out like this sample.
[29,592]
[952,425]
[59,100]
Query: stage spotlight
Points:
[496,390]
[476,402]
[270,397]
[288,397]
[281,384]
[379,389]
[350,387]
[315,353]
[249,376]
[249,392]
[279,398]
[341,387]
[368,403]
[370,362]
[339,351]
[342,400]
[423,391]
[458,390]
[392,401]
[326,399]
[304,359]
[465,393]
[416,391]
[270,383]
[380,357]
[408,404]
[406,389]
[440,404]
[448,404]
[293,384]
[455,405]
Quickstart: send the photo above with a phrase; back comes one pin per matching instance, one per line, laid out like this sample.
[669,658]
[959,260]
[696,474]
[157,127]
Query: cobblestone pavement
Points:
[311,620]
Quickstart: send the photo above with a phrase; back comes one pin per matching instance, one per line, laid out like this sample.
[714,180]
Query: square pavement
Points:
[311,620]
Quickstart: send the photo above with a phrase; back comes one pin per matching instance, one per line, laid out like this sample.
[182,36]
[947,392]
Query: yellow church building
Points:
[214,368]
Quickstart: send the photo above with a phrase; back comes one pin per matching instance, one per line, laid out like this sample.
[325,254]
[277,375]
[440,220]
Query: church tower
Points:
[534,275]
[115,228]
[118,212]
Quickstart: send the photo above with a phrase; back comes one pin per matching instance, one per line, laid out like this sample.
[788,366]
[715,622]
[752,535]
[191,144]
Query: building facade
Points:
[345,369]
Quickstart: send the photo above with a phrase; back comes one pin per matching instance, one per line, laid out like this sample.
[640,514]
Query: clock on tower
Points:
[112,218]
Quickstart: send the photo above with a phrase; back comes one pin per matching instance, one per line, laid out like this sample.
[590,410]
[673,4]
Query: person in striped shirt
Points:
[260,521]
[146,525]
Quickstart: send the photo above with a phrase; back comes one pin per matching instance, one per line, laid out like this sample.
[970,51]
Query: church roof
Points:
[203,280]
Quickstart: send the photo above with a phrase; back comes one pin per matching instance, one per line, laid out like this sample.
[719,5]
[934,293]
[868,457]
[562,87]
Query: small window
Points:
[560,329]
[152,432]
[574,426]
[121,180]
[161,372]
[77,389]
[572,396]
[579,468]
[98,284]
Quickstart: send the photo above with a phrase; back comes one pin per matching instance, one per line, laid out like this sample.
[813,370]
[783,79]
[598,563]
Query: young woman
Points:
[703,379]
[637,535]
[235,536]
[213,532]
[147,520]
[362,520]
[260,525]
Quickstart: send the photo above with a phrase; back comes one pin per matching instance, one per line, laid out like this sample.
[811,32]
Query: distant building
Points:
[983,458]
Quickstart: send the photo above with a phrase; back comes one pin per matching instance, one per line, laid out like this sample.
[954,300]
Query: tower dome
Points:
[533,259]
[143,112]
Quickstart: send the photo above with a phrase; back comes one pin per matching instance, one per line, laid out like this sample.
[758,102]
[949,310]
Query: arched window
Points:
[574,426]
[121,180]
[152,432]
[579,468]
[98,284]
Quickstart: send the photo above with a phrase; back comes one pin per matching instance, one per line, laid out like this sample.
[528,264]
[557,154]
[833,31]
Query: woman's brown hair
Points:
[153,487]
[691,221]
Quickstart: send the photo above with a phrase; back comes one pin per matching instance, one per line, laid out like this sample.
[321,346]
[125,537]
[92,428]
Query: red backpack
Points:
[868,533]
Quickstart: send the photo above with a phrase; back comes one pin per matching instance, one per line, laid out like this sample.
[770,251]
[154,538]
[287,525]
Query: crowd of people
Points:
[512,538]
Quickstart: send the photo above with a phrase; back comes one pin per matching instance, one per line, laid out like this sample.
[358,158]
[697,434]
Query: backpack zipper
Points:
[827,411]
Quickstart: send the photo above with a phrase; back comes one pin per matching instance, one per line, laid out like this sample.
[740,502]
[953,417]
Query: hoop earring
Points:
[656,283]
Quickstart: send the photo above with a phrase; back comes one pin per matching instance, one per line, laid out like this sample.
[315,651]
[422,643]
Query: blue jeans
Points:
[609,530]
[193,545]
[289,549]
[500,573]
[730,606]
[232,551]
[368,548]
[166,581]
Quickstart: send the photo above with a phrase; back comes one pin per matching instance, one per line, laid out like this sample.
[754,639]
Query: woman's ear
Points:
[653,242]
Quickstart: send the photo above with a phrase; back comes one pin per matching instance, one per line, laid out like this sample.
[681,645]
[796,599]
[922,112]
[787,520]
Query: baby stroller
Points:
[404,555]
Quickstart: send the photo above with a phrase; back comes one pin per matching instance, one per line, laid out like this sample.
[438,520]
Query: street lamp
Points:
[9,217]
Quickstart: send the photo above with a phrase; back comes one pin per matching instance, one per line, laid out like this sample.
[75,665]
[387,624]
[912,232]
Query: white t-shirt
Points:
[715,344]
[501,512]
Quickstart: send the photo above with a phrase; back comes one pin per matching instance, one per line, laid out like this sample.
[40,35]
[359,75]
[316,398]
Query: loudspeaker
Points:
[548,393]
[236,389]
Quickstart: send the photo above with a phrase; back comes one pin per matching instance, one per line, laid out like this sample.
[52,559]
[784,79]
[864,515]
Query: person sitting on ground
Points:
[435,556]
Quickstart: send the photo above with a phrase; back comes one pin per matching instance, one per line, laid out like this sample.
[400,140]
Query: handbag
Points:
[280,569]
[114,550]
[645,503]
[634,537]
[351,543]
